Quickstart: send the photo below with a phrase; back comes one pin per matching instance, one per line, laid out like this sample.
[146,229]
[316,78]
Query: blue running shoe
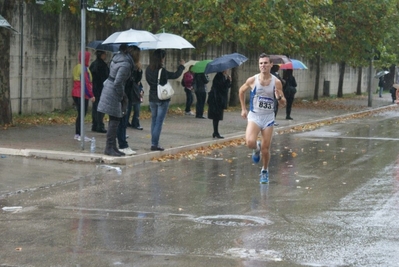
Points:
[264,177]
[256,153]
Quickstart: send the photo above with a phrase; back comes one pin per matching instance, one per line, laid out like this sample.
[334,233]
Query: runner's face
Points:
[264,64]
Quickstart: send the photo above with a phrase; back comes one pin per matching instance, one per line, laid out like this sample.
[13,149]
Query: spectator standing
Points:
[100,72]
[113,99]
[289,90]
[200,81]
[188,82]
[217,100]
[274,70]
[76,92]
[136,105]
[131,88]
[159,108]
[381,84]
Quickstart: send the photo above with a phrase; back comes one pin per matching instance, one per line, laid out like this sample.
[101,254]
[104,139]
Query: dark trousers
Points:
[121,133]
[189,99]
[290,100]
[199,107]
[275,107]
[97,117]
[76,100]
[136,115]
[215,124]
[135,107]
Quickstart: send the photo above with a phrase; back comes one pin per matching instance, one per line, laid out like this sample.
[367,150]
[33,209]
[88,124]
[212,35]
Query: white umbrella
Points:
[381,73]
[4,23]
[130,36]
[186,67]
[167,41]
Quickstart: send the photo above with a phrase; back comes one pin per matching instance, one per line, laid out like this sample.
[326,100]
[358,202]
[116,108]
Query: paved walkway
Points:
[180,133]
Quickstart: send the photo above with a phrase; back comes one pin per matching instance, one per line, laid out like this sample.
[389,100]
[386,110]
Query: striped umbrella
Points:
[293,65]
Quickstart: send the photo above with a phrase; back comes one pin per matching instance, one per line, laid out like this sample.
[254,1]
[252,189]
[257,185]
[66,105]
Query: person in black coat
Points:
[274,70]
[100,71]
[217,100]
[200,81]
[289,90]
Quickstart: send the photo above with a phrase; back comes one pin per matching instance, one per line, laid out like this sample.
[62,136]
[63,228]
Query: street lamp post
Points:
[82,72]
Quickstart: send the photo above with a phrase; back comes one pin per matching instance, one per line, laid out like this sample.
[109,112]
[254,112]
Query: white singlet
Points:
[261,103]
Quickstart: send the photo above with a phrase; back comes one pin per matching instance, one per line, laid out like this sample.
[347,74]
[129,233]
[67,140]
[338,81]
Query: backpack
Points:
[187,80]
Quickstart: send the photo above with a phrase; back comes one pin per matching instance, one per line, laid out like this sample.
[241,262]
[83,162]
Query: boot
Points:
[110,147]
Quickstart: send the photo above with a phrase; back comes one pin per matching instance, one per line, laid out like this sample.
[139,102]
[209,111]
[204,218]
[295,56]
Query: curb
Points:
[137,159]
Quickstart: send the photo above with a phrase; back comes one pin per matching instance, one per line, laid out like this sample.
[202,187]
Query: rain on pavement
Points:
[332,201]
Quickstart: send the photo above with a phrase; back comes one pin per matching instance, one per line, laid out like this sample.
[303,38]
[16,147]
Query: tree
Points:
[7,11]
[361,26]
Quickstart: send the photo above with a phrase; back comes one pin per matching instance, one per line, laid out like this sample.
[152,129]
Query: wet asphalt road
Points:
[333,200]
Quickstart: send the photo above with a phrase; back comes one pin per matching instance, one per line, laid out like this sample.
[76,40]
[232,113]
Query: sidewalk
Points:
[179,133]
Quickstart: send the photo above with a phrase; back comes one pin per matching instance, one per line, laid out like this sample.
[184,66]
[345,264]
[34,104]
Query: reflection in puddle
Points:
[233,220]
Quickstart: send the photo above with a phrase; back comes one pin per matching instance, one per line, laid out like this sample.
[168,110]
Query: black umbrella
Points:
[225,62]
[279,59]
[98,45]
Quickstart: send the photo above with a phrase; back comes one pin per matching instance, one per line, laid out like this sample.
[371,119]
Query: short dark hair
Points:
[99,53]
[123,47]
[263,55]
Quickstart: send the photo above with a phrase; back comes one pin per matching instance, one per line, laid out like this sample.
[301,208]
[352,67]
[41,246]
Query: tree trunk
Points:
[317,82]
[341,79]
[359,81]
[7,11]
[234,83]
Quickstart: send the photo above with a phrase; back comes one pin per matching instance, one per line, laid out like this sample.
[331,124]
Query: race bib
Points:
[264,103]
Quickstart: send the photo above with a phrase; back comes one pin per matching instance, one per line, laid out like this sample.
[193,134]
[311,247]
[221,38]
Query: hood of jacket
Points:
[122,57]
[87,58]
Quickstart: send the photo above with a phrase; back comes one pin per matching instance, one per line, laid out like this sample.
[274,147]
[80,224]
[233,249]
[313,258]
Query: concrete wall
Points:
[50,45]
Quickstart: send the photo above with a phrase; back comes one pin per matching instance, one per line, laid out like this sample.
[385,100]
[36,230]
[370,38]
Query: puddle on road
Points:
[232,220]
[254,254]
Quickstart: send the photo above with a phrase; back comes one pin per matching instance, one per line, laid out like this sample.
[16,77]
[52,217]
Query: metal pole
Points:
[21,60]
[82,73]
[370,93]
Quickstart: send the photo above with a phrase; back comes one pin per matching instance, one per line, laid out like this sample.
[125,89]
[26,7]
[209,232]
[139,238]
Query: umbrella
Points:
[186,67]
[98,45]
[4,23]
[130,36]
[293,65]
[167,41]
[279,59]
[200,66]
[225,62]
[381,73]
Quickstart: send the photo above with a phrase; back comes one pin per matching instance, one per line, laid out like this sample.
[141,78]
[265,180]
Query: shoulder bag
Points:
[164,91]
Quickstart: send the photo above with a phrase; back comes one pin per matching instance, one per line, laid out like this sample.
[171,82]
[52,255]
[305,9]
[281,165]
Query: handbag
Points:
[164,91]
